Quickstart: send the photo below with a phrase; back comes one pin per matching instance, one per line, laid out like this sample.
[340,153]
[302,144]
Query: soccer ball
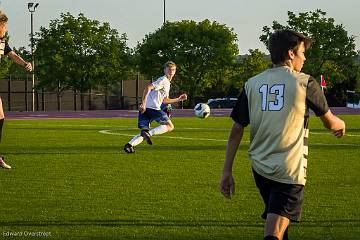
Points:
[202,110]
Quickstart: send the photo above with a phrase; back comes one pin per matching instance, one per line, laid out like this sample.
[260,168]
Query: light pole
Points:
[164,13]
[32,7]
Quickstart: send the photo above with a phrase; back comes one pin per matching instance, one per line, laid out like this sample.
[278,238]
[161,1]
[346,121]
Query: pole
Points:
[26,92]
[164,13]
[32,7]
[32,61]
[9,93]
[122,101]
[137,91]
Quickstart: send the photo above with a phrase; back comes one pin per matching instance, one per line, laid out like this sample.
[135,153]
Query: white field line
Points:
[187,138]
[182,138]
[130,128]
[134,128]
[346,135]
[222,140]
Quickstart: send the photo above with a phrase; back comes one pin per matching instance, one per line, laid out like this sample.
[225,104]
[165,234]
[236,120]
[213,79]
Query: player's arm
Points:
[227,183]
[240,115]
[335,124]
[316,100]
[19,60]
[182,97]
[145,95]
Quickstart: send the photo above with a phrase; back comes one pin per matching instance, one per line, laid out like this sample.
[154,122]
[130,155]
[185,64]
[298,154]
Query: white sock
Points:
[136,140]
[158,130]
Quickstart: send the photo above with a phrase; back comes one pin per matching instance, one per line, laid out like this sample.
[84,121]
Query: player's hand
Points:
[28,66]
[183,97]
[339,133]
[142,108]
[227,184]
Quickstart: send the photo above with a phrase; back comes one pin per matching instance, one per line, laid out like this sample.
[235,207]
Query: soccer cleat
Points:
[128,148]
[3,164]
[146,135]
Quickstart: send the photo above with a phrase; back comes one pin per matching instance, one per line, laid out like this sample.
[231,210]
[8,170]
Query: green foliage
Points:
[4,66]
[251,65]
[16,68]
[357,69]
[80,54]
[7,66]
[200,50]
[332,52]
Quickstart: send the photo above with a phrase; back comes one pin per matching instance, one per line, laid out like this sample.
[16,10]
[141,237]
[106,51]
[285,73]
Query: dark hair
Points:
[3,17]
[281,41]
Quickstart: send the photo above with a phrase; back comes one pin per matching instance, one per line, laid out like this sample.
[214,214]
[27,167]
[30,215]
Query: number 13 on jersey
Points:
[267,92]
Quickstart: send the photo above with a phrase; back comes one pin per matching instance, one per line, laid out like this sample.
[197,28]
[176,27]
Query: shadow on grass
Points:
[173,223]
[332,223]
[193,147]
[134,223]
[63,150]
[92,149]
[333,147]
[62,129]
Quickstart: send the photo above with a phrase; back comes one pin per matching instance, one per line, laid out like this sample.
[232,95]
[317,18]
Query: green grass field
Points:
[71,180]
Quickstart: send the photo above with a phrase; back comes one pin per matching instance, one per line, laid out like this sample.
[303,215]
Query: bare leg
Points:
[2,118]
[2,115]
[276,225]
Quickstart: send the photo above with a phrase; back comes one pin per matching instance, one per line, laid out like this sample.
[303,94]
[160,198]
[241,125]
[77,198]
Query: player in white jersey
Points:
[276,104]
[7,51]
[155,94]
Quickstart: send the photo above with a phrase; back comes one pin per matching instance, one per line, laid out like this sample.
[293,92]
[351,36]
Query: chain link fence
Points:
[17,94]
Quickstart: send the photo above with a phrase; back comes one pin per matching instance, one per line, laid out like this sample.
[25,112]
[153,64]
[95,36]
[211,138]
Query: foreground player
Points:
[276,105]
[154,95]
[7,51]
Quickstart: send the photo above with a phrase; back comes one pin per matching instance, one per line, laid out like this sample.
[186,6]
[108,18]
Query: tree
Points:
[16,68]
[251,65]
[7,66]
[4,66]
[357,60]
[79,54]
[332,52]
[199,50]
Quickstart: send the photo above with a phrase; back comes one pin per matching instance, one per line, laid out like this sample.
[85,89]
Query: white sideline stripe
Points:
[205,139]
[336,144]
[117,127]
[132,128]
[221,140]
[346,135]
[183,138]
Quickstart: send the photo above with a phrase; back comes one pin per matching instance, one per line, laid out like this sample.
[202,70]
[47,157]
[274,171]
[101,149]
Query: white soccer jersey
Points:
[156,96]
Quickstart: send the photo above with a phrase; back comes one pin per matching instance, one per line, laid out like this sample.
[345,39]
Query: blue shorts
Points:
[150,115]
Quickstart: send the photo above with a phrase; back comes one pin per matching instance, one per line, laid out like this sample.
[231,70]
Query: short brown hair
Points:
[281,41]
[169,64]
[3,17]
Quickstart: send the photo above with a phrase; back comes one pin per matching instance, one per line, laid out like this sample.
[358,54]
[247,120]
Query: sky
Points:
[136,18]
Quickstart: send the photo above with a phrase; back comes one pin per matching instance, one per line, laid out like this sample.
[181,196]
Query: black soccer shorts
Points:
[280,198]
